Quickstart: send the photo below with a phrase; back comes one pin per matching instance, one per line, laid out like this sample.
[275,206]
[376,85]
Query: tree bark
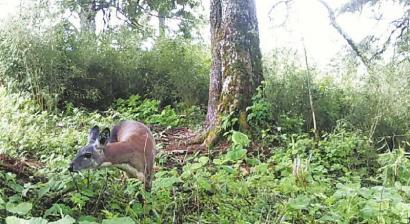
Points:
[236,63]
[87,16]
[215,84]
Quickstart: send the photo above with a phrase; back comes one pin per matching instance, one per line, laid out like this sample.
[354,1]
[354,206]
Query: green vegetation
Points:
[57,81]
[289,177]
[60,66]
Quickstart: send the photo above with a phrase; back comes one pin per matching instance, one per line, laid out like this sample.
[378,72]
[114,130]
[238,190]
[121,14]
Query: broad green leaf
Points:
[21,209]
[196,166]
[300,202]
[239,138]
[87,222]
[38,220]
[166,182]
[371,209]
[204,183]
[2,203]
[87,218]
[261,168]
[15,220]
[44,190]
[27,187]
[122,220]
[218,161]
[203,160]
[236,154]
[57,210]
[66,220]
[405,189]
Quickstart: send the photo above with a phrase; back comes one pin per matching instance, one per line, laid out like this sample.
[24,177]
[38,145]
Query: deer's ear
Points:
[94,133]
[104,136]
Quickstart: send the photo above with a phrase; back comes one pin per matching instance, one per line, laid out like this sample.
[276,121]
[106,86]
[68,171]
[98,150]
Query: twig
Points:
[176,206]
[145,165]
[348,39]
[310,96]
[88,179]
[75,182]
[286,3]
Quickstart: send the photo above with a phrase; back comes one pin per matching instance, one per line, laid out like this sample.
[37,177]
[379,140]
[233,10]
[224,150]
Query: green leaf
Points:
[87,218]
[236,154]
[87,222]
[38,220]
[2,203]
[300,202]
[66,220]
[27,187]
[44,190]
[122,220]
[21,209]
[218,161]
[203,160]
[239,138]
[196,166]
[371,209]
[57,210]
[204,183]
[15,220]
[166,182]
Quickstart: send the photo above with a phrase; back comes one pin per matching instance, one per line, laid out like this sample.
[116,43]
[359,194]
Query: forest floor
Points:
[24,168]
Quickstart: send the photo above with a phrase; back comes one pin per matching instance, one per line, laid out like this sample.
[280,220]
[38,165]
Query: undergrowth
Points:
[286,176]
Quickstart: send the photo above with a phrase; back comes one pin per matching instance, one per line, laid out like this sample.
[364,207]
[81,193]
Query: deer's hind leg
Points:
[131,171]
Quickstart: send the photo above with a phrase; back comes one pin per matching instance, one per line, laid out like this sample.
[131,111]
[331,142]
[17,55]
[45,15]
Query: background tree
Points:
[136,13]
[236,64]
[398,36]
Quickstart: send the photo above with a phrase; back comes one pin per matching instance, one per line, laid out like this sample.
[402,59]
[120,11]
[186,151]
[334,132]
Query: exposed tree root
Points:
[213,136]
[199,138]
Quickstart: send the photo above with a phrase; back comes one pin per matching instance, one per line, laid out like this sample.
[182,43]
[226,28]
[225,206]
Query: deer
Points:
[129,146]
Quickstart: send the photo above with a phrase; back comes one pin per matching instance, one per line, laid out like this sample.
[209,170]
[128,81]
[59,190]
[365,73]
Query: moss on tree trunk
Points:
[236,63]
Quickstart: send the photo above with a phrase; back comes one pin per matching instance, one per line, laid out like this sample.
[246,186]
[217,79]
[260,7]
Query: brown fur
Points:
[132,143]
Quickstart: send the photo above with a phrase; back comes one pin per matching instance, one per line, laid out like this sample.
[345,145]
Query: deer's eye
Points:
[87,155]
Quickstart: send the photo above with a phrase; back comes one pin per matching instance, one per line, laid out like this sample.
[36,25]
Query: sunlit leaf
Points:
[65,220]
[42,191]
[236,154]
[15,220]
[203,160]
[21,208]
[240,139]
[122,220]
[300,202]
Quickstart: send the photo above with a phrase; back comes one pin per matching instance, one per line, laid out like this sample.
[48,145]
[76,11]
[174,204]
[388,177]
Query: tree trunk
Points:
[236,63]
[87,16]
[161,24]
[215,84]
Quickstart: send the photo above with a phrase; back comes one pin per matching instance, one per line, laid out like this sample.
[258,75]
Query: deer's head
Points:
[92,155]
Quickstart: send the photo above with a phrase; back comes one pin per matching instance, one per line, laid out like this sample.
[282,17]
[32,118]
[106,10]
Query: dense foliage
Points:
[290,178]
[376,104]
[60,65]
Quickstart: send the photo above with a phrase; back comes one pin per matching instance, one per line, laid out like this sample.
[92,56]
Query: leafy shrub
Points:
[58,66]
[372,103]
